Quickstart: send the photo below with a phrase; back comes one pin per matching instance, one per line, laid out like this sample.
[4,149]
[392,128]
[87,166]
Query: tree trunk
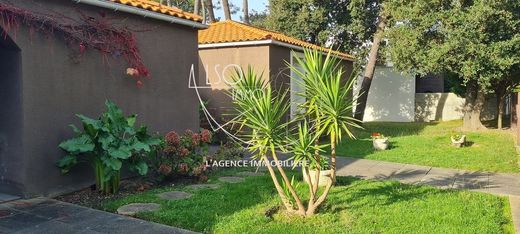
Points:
[369,69]
[500,109]
[169,3]
[203,6]
[227,12]
[209,8]
[514,117]
[245,9]
[196,7]
[475,99]
[500,92]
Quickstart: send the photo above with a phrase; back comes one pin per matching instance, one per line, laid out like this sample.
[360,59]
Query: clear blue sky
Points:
[257,5]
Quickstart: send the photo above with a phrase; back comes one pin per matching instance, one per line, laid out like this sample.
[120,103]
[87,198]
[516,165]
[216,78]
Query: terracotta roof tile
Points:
[159,8]
[232,31]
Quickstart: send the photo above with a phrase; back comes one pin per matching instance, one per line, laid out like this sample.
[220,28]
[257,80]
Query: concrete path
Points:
[42,215]
[494,183]
[514,202]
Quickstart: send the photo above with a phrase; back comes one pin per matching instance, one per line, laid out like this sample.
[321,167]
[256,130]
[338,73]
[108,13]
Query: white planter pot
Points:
[459,143]
[380,144]
[325,177]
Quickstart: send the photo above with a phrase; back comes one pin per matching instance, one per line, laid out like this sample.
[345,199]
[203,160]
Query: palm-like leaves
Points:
[303,147]
[259,110]
[327,110]
[326,94]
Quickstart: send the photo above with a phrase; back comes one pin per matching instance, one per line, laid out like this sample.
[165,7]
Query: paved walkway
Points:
[494,183]
[42,215]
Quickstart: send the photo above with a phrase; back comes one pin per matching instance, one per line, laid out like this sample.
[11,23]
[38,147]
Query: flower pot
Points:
[380,144]
[325,177]
[460,142]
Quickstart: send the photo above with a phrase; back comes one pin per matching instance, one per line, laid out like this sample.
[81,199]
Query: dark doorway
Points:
[11,153]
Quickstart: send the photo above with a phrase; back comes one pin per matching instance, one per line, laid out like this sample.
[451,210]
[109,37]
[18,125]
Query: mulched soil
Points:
[90,197]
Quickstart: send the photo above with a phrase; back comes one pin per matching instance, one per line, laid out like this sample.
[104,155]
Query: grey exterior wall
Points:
[270,59]
[216,67]
[54,88]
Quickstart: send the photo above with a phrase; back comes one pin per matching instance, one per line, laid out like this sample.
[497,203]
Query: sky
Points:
[257,5]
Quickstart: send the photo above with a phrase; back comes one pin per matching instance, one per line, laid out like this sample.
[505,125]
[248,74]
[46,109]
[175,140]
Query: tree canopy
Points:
[477,40]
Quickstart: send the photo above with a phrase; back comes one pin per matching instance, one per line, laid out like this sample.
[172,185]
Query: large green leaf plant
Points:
[108,143]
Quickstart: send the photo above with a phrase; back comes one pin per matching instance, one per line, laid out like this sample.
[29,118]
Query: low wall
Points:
[447,106]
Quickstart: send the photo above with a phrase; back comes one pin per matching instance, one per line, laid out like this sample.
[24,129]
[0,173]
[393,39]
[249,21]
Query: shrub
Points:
[107,143]
[183,155]
[229,151]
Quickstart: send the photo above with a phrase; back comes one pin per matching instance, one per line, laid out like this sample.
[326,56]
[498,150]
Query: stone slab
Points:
[134,208]
[174,195]
[231,179]
[203,186]
[249,173]
[43,215]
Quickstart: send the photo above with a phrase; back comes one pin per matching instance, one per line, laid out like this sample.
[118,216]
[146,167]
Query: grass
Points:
[429,144]
[354,206]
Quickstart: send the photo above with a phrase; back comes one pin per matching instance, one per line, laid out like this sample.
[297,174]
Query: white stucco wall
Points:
[448,106]
[391,96]
[439,106]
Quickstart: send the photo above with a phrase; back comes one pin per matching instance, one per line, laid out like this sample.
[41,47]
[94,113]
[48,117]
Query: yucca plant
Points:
[327,98]
[261,116]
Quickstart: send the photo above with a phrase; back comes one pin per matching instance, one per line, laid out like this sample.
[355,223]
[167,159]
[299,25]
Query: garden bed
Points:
[429,144]
[357,206]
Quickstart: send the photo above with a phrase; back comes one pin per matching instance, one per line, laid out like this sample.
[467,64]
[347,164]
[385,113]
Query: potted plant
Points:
[458,140]
[379,141]
[325,173]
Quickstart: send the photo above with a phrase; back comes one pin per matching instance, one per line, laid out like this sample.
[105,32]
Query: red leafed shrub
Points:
[80,34]
[184,154]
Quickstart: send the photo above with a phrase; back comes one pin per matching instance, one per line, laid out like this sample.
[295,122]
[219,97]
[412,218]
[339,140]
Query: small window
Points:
[296,87]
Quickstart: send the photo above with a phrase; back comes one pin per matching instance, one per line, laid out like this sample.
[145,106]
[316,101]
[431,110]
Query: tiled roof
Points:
[232,31]
[159,8]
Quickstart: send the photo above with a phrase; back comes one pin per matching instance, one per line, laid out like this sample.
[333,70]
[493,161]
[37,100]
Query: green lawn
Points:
[355,206]
[429,144]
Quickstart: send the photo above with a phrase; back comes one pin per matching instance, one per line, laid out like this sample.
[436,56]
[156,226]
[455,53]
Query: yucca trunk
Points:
[333,156]
[301,208]
[277,185]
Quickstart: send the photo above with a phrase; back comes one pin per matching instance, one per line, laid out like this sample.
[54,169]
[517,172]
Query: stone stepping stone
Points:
[134,208]
[231,179]
[174,195]
[250,173]
[203,186]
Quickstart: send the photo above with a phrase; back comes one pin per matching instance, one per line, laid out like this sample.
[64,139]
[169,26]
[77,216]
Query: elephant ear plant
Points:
[326,111]
[106,143]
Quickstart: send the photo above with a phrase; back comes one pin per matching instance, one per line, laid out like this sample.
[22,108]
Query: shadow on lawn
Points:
[362,194]
[392,129]
[355,192]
